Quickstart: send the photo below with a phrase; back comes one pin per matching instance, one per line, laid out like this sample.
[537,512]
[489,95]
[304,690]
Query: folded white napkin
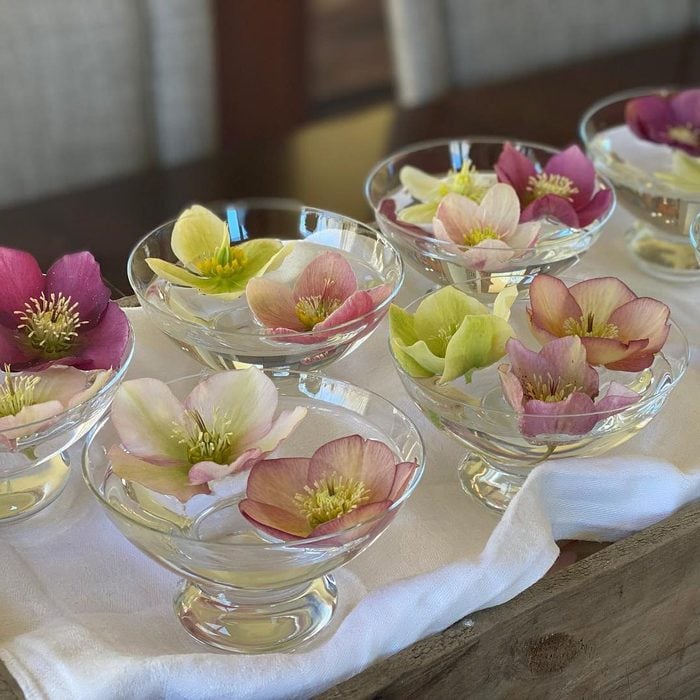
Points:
[86,615]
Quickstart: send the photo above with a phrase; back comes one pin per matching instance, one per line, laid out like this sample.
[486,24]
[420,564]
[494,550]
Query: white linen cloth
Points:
[87,615]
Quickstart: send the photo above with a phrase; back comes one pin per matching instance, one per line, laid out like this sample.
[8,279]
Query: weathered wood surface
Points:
[622,623]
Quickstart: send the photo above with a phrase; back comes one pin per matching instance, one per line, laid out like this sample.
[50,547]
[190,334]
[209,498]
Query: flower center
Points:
[478,234]
[229,261]
[547,388]
[463,182]
[313,310]
[51,324]
[686,134]
[16,393]
[330,498]
[206,444]
[588,327]
[443,337]
[546,183]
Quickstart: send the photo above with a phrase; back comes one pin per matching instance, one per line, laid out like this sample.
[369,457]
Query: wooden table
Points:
[624,621]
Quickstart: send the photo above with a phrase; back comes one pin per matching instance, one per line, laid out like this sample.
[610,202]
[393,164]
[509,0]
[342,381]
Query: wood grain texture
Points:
[624,622]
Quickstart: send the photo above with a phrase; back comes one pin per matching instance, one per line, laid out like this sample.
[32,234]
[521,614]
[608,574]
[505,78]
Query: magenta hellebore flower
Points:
[64,317]
[345,482]
[618,329]
[553,389]
[564,189]
[324,295]
[673,119]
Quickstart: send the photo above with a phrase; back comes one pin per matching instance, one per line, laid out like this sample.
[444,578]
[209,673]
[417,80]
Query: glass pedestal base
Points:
[276,621]
[662,255]
[491,486]
[32,488]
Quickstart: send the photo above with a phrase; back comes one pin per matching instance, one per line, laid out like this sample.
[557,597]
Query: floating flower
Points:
[224,426]
[562,190]
[673,119]
[429,190]
[344,483]
[324,295]
[202,243]
[618,329]
[685,172]
[553,389]
[490,229]
[450,334]
[29,401]
[64,317]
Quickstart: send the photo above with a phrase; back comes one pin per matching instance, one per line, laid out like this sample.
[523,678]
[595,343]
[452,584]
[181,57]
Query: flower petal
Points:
[600,296]
[168,480]
[145,413]
[328,276]
[643,318]
[273,304]
[551,206]
[282,428]
[550,305]
[566,358]
[617,398]
[198,233]
[573,164]
[511,386]
[404,474]
[597,207]
[500,209]
[612,353]
[276,482]
[685,106]
[514,168]
[260,254]
[282,524]
[29,420]
[459,215]
[180,276]
[355,306]
[420,185]
[649,117]
[572,416]
[20,280]
[379,294]
[11,352]
[103,346]
[490,255]
[523,236]
[415,214]
[402,334]
[355,517]
[78,276]
[206,471]
[369,462]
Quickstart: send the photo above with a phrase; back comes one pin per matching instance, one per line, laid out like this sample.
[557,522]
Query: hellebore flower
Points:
[323,296]
[345,482]
[224,426]
[210,264]
[553,389]
[490,229]
[30,401]
[618,329]
[562,190]
[64,317]
[429,190]
[685,172]
[450,334]
[673,120]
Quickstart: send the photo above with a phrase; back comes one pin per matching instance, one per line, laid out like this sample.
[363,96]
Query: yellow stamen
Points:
[314,309]
[479,233]
[463,182]
[230,263]
[16,393]
[330,498]
[544,183]
[206,443]
[51,325]
[687,134]
[547,388]
[588,327]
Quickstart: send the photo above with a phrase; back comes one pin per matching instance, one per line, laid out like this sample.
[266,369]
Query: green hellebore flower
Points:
[685,172]
[451,334]
[210,264]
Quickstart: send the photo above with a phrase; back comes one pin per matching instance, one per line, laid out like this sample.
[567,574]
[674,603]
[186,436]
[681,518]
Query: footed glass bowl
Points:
[222,334]
[499,456]
[34,468]
[243,590]
[556,249]
[639,170]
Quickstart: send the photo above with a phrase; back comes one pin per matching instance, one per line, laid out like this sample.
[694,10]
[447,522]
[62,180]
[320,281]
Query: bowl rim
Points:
[454,249]
[278,204]
[55,422]
[308,541]
[637,405]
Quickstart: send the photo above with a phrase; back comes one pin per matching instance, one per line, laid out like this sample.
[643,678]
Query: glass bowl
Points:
[695,236]
[246,591]
[34,468]
[221,334]
[499,456]
[557,248]
[658,240]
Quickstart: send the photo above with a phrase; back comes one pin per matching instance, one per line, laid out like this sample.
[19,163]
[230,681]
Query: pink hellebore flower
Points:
[224,426]
[30,402]
[618,329]
[325,295]
[673,120]
[64,317]
[488,233]
[345,482]
[553,389]
[562,190]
